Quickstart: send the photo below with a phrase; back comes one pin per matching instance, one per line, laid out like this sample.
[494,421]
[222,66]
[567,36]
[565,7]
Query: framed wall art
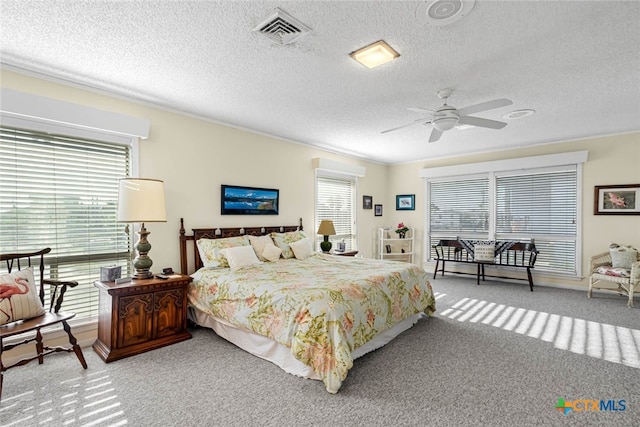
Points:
[367,202]
[235,200]
[405,202]
[378,210]
[617,199]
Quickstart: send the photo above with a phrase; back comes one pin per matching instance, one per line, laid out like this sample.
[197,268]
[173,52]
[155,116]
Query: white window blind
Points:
[459,208]
[62,192]
[539,204]
[335,200]
[542,206]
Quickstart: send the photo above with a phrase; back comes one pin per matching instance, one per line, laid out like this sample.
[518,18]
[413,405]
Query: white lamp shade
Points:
[141,200]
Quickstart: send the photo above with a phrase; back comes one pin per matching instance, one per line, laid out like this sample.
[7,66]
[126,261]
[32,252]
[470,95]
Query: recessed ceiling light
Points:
[518,114]
[375,54]
[443,12]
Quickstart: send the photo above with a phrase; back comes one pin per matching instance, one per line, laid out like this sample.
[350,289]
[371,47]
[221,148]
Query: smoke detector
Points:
[438,13]
[281,27]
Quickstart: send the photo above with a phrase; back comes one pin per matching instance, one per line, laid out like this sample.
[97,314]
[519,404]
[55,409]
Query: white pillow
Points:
[259,243]
[484,253]
[240,256]
[622,256]
[271,252]
[302,248]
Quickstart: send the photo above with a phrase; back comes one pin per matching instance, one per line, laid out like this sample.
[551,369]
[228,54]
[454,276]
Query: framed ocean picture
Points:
[237,200]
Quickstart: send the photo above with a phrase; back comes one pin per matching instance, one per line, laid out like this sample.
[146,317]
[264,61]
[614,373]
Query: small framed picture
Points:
[367,202]
[405,202]
[617,199]
[378,210]
[388,248]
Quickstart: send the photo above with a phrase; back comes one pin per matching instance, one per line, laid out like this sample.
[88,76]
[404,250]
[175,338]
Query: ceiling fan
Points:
[448,116]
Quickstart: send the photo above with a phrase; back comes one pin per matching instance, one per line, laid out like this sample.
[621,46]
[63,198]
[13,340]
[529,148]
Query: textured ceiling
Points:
[576,63]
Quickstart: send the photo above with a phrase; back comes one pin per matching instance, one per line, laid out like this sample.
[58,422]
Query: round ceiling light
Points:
[518,114]
[445,123]
[443,12]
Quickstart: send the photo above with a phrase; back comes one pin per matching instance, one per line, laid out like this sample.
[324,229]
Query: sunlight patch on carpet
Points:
[612,343]
[88,400]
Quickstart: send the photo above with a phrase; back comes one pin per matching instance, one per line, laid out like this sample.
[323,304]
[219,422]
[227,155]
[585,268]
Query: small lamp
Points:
[326,229]
[141,200]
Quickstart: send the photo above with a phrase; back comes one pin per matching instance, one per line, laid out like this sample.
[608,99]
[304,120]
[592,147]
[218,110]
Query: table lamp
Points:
[141,200]
[326,229]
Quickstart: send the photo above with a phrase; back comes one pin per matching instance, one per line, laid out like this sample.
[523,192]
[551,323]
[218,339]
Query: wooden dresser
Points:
[141,315]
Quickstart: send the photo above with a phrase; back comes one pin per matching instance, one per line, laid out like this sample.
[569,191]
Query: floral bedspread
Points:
[323,307]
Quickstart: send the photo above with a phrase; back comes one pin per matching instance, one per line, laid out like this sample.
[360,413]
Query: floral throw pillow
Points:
[19,298]
[615,272]
[209,250]
[282,240]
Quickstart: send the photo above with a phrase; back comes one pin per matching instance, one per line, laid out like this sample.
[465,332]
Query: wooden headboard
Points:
[219,233]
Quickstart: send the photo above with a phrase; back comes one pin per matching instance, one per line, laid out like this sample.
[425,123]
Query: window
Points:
[61,192]
[542,206]
[520,199]
[335,200]
[460,206]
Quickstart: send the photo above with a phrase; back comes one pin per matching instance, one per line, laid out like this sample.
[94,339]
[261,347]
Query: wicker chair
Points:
[626,285]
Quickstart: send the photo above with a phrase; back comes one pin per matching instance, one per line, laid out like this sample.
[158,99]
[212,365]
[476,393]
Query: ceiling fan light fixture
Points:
[375,54]
[445,123]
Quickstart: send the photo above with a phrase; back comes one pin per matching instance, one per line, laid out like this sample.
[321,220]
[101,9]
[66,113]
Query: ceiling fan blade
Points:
[420,110]
[415,122]
[435,135]
[484,106]
[483,123]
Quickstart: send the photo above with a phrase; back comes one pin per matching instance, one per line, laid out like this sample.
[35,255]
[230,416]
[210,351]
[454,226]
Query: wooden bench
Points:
[508,253]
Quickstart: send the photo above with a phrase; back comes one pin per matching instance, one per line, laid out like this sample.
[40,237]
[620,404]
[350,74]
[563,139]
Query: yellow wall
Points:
[612,160]
[195,156]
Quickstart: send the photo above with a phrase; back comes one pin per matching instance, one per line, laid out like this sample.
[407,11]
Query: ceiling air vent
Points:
[281,27]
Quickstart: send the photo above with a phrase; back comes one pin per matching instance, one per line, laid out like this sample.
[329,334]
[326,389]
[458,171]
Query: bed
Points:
[310,313]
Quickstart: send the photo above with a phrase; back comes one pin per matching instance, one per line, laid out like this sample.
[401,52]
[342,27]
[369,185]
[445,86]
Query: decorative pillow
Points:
[610,271]
[484,253]
[622,256]
[209,250]
[272,252]
[259,243]
[282,240]
[240,256]
[19,297]
[302,248]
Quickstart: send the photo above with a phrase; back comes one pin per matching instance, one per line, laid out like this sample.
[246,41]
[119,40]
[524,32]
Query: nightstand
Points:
[141,315]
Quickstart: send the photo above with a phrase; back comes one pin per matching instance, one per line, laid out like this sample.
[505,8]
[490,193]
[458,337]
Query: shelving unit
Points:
[389,239]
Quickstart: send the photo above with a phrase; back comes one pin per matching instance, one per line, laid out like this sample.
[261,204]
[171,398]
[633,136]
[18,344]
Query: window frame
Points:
[351,245]
[509,167]
[56,117]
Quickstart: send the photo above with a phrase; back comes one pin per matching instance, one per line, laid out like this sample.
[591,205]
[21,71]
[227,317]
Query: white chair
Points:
[601,270]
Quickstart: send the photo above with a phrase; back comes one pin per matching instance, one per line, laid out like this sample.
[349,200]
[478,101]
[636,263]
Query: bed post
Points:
[183,248]
[300,223]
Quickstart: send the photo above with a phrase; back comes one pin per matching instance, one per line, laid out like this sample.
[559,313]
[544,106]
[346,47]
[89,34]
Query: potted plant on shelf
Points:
[402,230]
